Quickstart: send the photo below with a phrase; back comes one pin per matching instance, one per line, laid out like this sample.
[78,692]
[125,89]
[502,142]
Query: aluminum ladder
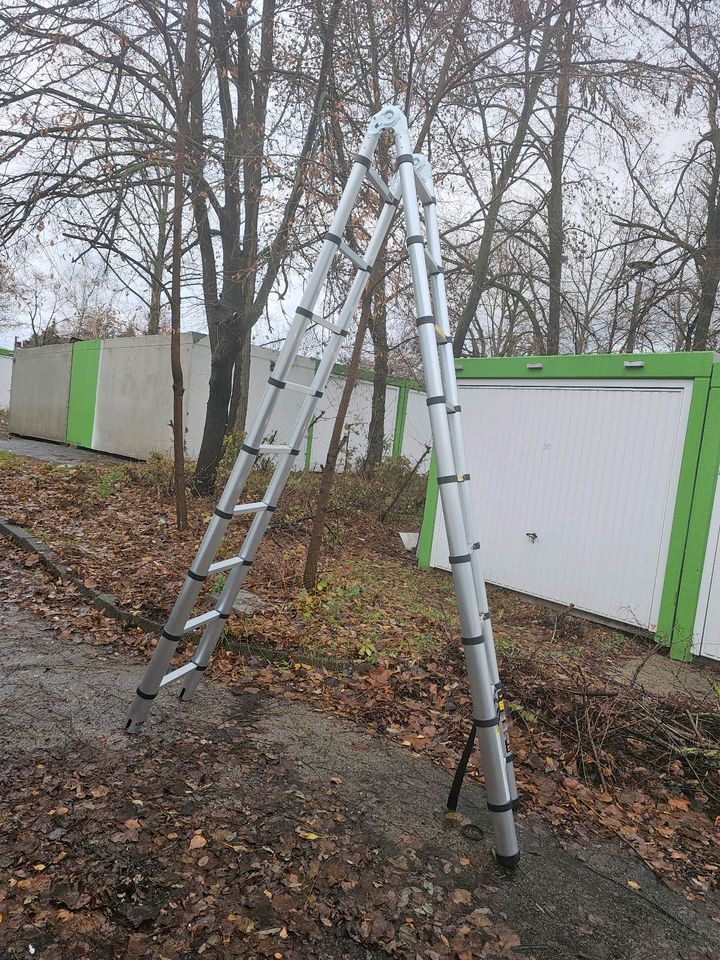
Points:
[411,185]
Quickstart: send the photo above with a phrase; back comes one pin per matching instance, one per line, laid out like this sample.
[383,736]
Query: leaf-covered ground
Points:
[248,824]
[596,755]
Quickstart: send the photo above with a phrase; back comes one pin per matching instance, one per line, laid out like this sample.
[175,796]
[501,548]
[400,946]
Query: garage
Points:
[583,472]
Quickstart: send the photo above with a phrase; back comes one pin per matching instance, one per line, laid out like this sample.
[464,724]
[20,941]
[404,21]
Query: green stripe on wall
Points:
[83,390]
[695,556]
[681,517]
[400,415]
[427,530]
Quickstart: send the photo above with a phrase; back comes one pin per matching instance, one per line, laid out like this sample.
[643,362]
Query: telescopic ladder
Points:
[411,185]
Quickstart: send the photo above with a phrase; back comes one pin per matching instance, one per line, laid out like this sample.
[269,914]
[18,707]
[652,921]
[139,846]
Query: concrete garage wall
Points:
[6,365]
[116,396]
[133,404]
[416,435]
[197,379]
[40,390]
[357,420]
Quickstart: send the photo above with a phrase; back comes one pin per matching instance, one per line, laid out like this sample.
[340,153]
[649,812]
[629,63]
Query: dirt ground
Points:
[250,825]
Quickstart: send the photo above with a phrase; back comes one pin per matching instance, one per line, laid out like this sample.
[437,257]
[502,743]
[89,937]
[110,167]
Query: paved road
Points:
[61,699]
[54,452]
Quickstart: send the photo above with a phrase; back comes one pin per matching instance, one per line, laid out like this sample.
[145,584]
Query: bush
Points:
[157,473]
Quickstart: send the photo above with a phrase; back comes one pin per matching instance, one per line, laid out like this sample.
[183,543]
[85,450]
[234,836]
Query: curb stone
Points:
[107,604]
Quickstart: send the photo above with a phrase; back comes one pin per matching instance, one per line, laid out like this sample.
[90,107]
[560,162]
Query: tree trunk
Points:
[631,339]
[378,331]
[328,474]
[236,313]
[710,272]
[241,387]
[156,283]
[507,171]
[175,361]
[154,309]
[556,234]
[216,413]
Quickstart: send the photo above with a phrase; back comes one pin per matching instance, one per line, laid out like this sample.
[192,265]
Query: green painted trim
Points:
[340,370]
[589,366]
[427,530]
[400,417]
[308,446]
[83,392]
[4,352]
[681,516]
[698,532]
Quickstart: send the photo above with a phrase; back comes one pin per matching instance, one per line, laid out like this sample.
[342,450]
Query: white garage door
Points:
[574,485]
[706,640]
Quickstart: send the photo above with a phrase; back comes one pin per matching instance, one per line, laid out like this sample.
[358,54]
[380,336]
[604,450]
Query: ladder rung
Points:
[329,325]
[352,256]
[380,185]
[274,448]
[201,620]
[249,508]
[423,192]
[432,266]
[225,564]
[309,389]
[176,674]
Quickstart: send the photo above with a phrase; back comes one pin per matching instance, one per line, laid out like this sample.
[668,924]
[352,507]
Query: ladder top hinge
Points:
[387,118]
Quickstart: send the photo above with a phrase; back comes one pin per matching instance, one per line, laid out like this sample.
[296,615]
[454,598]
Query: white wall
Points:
[357,420]
[134,402]
[40,389]
[417,434]
[706,636]
[286,409]
[591,469]
[6,365]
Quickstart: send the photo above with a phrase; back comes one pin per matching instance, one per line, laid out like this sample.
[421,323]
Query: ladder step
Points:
[329,325]
[225,564]
[201,620]
[422,189]
[353,257]
[303,388]
[176,674]
[431,265]
[275,448]
[381,187]
[249,508]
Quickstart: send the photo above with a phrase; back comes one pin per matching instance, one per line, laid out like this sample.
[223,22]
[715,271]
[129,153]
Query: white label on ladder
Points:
[274,448]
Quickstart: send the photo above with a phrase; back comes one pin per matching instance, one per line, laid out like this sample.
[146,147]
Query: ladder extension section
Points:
[411,185]
[433,256]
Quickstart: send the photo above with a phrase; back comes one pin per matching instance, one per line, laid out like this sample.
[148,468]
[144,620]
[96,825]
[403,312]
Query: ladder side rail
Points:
[447,365]
[190,590]
[277,483]
[485,712]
